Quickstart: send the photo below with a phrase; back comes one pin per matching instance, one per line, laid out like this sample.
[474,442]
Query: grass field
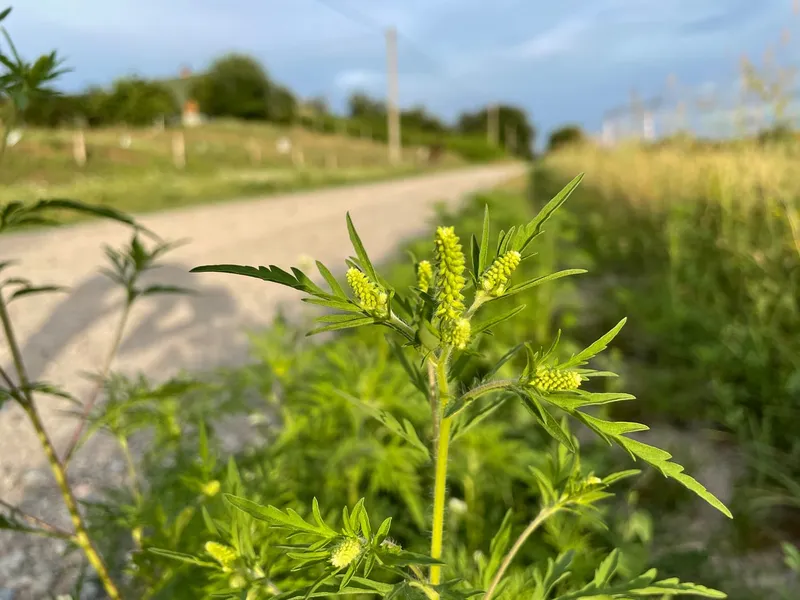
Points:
[700,248]
[135,170]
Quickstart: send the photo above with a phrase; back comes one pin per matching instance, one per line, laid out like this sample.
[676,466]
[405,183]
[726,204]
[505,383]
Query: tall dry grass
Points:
[700,246]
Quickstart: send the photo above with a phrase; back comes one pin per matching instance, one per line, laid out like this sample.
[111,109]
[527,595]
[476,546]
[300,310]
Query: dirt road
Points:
[65,335]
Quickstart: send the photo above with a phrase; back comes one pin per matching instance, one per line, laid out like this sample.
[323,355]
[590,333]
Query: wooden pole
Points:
[79,148]
[392,100]
[179,149]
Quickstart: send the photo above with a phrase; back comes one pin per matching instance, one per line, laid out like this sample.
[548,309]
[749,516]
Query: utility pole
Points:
[492,124]
[392,110]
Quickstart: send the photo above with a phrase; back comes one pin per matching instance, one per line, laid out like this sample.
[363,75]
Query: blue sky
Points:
[563,61]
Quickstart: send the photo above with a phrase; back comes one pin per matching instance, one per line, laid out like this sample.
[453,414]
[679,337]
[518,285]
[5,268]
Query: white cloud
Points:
[361,79]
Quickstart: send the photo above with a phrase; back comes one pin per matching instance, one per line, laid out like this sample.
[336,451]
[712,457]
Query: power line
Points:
[366,21]
[353,16]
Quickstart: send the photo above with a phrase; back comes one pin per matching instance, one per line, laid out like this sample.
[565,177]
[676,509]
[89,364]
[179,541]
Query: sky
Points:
[564,62]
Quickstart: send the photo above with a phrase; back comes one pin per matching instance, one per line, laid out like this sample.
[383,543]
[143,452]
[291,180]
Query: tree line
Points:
[237,86]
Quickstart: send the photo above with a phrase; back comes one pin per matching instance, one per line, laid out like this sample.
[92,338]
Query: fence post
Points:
[179,149]
[79,147]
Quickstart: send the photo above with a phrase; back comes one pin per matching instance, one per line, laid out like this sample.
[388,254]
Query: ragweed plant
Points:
[20,82]
[439,321]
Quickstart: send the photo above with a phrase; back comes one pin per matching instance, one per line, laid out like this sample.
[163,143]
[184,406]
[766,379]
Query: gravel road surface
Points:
[67,334]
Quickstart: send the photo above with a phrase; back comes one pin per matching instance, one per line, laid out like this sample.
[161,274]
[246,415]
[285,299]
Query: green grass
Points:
[221,163]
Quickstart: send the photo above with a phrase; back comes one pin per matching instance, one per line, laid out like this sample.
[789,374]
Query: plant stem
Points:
[434,399]
[81,537]
[543,515]
[81,534]
[87,408]
[485,388]
[19,364]
[44,528]
[440,481]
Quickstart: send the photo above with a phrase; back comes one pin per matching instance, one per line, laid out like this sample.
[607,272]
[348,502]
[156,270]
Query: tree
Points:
[510,119]
[418,119]
[565,136]
[361,106]
[236,86]
[137,101]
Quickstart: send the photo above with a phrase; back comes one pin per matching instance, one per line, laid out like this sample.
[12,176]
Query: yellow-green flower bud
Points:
[237,581]
[224,555]
[345,552]
[496,277]
[457,334]
[450,275]
[369,295]
[211,488]
[424,275]
[391,546]
[553,380]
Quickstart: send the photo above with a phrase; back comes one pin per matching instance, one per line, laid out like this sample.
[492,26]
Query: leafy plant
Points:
[21,82]
[434,324]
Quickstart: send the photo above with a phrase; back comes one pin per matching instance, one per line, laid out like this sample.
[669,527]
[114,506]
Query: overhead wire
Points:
[362,19]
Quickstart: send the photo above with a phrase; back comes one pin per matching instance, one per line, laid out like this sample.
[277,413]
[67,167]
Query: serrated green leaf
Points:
[404,558]
[405,429]
[209,522]
[594,349]
[328,276]
[643,585]
[483,259]
[606,570]
[497,549]
[358,246]
[536,281]
[180,556]
[465,426]
[167,289]
[527,233]
[614,432]
[383,531]
[557,571]
[353,321]
[570,401]
[497,319]
[345,305]
[290,519]
[547,421]
[31,290]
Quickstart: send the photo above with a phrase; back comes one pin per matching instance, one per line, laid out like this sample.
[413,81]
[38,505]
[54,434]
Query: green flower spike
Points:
[345,552]
[555,380]
[494,280]
[224,555]
[458,334]
[424,275]
[370,296]
[449,276]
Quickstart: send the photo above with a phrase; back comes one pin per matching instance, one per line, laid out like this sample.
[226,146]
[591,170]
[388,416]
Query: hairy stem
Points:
[543,515]
[485,388]
[81,537]
[95,394]
[434,399]
[440,481]
[132,476]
